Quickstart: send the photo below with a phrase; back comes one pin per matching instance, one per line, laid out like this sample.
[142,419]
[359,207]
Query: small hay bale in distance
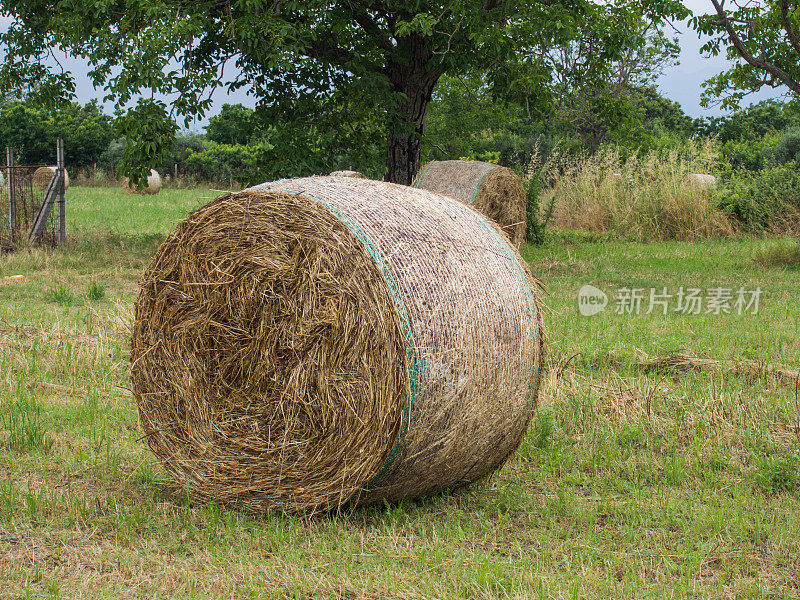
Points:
[42,176]
[347,174]
[153,184]
[492,190]
[314,342]
[701,180]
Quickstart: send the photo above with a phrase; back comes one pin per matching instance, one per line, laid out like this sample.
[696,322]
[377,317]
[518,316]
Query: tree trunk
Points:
[404,152]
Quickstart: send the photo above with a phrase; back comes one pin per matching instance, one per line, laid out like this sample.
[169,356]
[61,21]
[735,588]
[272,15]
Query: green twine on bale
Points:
[414,364]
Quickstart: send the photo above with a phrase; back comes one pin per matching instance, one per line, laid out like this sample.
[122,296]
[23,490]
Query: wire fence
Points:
[21,198]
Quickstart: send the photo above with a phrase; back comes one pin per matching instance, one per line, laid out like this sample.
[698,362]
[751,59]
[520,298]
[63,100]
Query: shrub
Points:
[538,216]
[787,148]
[226,163]
[112,155]
[184,145]
[749,154]
[766,201]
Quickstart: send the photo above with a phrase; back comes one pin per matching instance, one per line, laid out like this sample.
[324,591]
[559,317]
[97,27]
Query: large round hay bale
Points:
[495,191]
[42,176]
[347,174]
[313,342]
[153,184]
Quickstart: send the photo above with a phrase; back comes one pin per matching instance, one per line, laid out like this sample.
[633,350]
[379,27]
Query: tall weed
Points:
[647,196]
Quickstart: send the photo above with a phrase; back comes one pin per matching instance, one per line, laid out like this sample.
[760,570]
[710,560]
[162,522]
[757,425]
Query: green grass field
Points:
[633,482]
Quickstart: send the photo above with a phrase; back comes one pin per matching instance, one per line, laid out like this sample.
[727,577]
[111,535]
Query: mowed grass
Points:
[632,483]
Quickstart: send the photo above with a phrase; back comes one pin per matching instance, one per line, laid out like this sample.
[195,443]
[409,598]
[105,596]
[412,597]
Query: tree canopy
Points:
[304,61]
[33,132]
[235,124]
[762,37]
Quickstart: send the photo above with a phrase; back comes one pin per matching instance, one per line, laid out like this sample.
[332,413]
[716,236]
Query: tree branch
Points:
[450,37]
[370,26]
[323,48]
[759,63]
[787,25]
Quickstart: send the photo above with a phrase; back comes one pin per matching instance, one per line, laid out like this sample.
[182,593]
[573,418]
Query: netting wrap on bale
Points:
[494,191]
[313,342]
[42,176]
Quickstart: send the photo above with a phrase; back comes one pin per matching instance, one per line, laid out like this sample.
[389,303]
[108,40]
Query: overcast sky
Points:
[681,83]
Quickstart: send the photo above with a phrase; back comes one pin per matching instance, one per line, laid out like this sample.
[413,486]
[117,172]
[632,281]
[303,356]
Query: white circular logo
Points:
[591,300]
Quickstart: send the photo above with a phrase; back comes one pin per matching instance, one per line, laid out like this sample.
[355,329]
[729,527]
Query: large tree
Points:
[292,55]
[762,37]
[599,106]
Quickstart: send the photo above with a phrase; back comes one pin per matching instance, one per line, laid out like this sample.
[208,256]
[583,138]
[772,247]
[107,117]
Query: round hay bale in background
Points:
[153,184]
[42,176]
[495,191]
[347,174]
[313,342]
[701,180]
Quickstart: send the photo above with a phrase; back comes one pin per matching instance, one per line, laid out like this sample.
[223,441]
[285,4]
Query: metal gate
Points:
[29,208]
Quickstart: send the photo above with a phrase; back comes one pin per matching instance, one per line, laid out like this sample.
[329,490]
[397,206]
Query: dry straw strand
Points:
[315,342]
[682,362]
[492,190]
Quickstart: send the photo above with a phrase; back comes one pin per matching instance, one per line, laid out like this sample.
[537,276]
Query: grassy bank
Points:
[634,481]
